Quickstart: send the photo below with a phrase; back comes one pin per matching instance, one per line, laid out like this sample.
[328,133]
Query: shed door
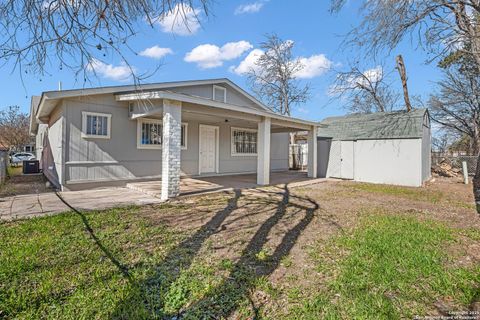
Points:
[347,150]
[335,160]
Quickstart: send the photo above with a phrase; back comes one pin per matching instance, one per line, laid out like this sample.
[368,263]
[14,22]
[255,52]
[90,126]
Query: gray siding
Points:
[118,158]
[323,154]
[52,153]
[206,91]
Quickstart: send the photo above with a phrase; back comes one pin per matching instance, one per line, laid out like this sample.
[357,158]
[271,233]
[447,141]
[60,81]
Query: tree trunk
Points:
[403,76]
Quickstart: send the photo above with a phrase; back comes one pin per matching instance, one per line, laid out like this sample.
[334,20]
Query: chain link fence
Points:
[456,162]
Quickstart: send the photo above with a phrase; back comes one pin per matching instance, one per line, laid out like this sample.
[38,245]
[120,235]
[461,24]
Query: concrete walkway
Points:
[33,205]
[203,185]
[42,204]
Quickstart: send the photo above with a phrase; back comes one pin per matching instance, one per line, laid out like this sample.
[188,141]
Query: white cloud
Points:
[249,8]
[313,66]
[373,75]
[248,63]
[210,56]
[109,71]
[182,20]
[156,52]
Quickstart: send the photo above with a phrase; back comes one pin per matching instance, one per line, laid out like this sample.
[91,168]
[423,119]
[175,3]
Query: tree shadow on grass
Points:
[224,299]
[147,297]
[120,266]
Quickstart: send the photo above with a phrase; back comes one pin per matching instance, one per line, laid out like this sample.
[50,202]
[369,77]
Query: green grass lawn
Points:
[124,264]
[392,267]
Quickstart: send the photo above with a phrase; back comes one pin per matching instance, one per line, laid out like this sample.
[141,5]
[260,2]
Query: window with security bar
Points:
[96,125]
[244,141]
[150,134]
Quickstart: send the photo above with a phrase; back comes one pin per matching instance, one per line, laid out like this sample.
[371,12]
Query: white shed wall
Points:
[395,161]
[426,154]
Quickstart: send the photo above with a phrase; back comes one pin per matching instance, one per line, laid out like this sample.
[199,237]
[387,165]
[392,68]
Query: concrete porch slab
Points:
[202,185]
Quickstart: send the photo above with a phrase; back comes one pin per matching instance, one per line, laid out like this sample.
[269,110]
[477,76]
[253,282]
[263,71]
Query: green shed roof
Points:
[380,125]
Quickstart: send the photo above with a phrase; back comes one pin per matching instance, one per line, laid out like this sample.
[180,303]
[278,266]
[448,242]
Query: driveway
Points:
[41,204]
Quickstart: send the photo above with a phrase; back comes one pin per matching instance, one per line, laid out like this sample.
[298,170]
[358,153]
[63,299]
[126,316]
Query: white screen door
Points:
[208,149]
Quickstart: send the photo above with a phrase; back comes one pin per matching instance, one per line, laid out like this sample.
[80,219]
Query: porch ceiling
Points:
[212,115]
[247,113]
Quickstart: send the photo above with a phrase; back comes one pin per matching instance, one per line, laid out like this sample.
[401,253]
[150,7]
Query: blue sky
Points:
[201,53]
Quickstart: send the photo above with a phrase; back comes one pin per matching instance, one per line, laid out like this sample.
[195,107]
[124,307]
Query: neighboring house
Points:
[390,147]
[27,147]
[112,135]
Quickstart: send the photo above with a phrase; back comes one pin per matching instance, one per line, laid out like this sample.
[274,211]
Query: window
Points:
[131,109]
[244,142]
[96,125]
[150,134]
[219,94]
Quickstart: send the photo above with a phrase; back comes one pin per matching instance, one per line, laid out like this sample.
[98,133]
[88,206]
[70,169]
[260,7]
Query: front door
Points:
[208,149]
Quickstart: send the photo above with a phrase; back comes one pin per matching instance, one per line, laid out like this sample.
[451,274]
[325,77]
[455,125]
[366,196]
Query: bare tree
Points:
[71,33]
[438,26]
[273,78]
[14,128]
[364,91]
[440,142]
[457,105]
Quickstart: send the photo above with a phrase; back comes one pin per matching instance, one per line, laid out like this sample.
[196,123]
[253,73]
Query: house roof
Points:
[380,125]
[42,107]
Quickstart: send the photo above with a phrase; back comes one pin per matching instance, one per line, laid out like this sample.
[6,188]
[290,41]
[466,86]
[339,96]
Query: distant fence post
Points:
[3,166]
[465,172]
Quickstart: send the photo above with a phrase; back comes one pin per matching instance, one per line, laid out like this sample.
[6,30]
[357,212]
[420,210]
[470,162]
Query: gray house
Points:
[391,147]
[114,135]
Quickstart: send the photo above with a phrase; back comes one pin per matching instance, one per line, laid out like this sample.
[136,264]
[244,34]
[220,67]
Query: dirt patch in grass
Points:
[18,183]
[327,250]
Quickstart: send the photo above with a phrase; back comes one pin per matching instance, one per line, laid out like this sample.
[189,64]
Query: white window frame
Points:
[96,136]
[233,153]
[140,121]
[131,109]
[185,138]
[224,100]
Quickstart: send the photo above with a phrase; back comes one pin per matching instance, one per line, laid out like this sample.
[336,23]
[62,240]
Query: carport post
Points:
[263,152]
[171,148]
[312,152]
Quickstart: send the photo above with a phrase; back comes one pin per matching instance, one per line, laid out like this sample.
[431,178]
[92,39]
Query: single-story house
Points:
[388,147]
[113,135]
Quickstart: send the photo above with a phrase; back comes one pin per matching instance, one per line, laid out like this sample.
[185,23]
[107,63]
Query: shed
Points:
[388,147]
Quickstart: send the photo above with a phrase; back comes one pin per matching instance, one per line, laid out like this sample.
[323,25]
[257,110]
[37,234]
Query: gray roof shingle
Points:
[381,125]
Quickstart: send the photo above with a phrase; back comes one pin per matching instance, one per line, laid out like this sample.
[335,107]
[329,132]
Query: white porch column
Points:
[263,151]
[171,149]
[312,152]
